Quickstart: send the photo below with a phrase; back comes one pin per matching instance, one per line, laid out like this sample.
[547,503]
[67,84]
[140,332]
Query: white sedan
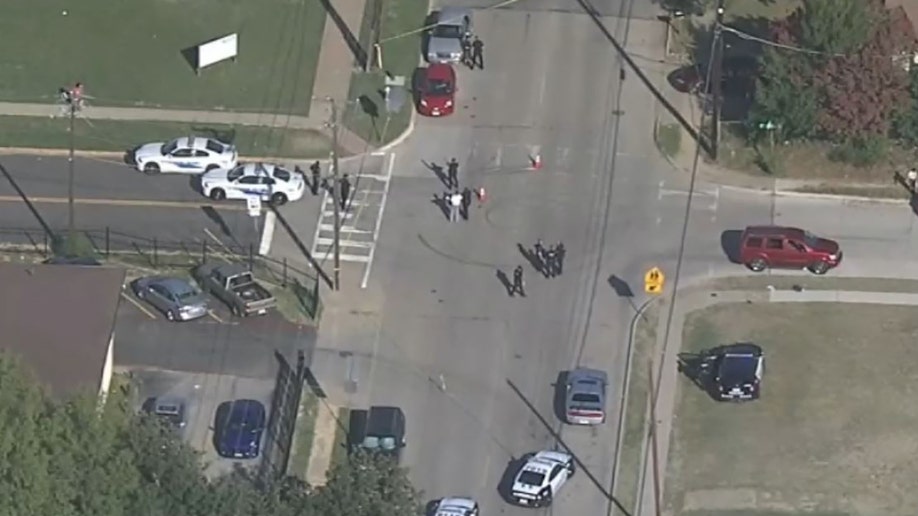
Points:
[188,155]
[270,183]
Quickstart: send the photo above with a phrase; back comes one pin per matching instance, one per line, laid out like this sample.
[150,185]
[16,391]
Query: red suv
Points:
[763,247]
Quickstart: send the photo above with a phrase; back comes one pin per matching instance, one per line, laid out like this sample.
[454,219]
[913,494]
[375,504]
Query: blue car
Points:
[239,427]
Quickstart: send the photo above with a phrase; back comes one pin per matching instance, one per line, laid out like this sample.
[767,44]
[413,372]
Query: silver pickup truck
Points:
[236,286]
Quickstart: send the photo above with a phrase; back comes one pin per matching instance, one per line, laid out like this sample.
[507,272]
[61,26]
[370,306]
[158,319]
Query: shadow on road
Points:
[730,244]
[556,435]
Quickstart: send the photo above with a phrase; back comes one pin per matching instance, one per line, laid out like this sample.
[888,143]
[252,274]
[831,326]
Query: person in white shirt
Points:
[455,202]
[911,178]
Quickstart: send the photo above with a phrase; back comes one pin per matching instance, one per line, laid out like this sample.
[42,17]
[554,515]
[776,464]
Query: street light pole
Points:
[71,223]
[336,192]
[716,76]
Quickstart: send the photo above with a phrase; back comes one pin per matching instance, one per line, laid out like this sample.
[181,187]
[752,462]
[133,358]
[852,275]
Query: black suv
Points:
[736,371]
[378,430]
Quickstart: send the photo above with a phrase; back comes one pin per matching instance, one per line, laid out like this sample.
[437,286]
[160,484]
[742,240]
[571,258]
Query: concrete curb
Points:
[63,153]
[777,192]
[401,138]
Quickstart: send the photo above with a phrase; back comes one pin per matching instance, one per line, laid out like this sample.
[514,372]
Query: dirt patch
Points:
[833,431]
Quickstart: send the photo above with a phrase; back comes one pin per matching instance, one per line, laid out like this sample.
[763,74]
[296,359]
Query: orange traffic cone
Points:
[536,161]
[482,195]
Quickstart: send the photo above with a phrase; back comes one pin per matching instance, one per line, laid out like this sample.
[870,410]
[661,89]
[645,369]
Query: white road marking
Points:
[138,305]
[379,218]
[498,156]
[217,240]
[343,242]
[267,234]
[331,213]
[344,229]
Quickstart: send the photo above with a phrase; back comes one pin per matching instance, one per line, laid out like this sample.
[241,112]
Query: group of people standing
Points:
[547,260]
[473,52]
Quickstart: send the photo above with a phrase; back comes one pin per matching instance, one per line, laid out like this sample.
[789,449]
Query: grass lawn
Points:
[339,451]
[303,435]
[834,430]
[637,403]
[130,52]
[770,9]
[120,135]
[400,58]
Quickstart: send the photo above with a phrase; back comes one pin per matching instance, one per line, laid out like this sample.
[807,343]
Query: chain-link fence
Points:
[154,253]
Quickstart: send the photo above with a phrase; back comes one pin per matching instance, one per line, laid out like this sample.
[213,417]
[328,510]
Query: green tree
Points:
[905,123]
[25,484]
[836,26]
[367,485]
[786,96]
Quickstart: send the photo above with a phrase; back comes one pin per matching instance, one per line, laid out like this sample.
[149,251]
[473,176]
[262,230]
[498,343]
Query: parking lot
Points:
[202,394]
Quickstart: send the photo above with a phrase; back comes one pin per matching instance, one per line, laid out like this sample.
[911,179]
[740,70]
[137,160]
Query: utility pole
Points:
[717,61]
[71,222]
[336,191]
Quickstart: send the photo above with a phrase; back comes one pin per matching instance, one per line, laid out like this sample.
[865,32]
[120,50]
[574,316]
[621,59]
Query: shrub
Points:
[861,151]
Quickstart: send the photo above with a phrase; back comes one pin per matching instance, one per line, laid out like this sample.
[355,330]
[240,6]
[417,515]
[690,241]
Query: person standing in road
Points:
[911,179]
[452,173]
[560,251]
[467,52]
[466,202]
[540,255]
[455,203]
[551,262]
[315,170]
[518,284]
[345,191]
[477,53]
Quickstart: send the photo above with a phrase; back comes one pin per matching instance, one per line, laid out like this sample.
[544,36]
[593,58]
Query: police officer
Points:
[477,53]
[315,169]
[560,257]
[518,283]
[540,254]
[550,262]
[452,170]
[467,52]
[345,191]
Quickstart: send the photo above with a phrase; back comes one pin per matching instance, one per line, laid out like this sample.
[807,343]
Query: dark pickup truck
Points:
[236,286]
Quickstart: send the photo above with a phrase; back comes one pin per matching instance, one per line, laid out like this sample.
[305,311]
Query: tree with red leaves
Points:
[849,83]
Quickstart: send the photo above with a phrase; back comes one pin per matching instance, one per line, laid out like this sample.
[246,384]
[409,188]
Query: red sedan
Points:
[436,90]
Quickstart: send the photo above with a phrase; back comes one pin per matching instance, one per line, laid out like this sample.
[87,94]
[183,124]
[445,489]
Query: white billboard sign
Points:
[218,50]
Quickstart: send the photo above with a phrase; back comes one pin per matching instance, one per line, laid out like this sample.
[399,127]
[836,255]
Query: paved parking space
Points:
[203,393]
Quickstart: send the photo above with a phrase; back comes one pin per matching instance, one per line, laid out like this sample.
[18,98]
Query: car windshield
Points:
[236,173]
[215,146]
[439,87]
[810,239]
[737,370]
[281,174]
[169,147]
[170,414]
[532,478]
[585,398]
[185,295]
[447,31]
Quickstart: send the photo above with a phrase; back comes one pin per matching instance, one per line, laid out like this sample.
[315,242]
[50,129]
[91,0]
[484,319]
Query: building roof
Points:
[59,320]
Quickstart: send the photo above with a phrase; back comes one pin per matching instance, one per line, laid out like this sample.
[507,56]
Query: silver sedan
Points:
[178,299]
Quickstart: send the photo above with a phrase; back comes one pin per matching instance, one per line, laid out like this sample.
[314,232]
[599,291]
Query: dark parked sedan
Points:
[178,299]
[239,430]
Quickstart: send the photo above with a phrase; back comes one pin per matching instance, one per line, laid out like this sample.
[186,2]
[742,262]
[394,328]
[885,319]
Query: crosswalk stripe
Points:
[345,229]
[344,243]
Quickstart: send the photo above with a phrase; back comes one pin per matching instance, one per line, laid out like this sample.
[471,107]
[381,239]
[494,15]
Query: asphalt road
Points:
[474,369]
[109,194]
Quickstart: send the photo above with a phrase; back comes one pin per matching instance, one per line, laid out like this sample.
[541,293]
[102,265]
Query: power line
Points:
[425,28]
[749,37]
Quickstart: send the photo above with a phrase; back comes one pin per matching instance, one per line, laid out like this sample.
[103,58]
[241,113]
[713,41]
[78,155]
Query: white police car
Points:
[188,155]
[541,478]
[270,183]
[456,506]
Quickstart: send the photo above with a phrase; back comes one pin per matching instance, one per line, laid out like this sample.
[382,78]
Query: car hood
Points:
[150,150]
[444,46]
[824,245]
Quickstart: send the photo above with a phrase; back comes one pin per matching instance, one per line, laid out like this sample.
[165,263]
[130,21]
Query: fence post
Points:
[203,252]
[155,254]
[108,248]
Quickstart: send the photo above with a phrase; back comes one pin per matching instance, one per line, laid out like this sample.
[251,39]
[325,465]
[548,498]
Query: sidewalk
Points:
[666,358]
